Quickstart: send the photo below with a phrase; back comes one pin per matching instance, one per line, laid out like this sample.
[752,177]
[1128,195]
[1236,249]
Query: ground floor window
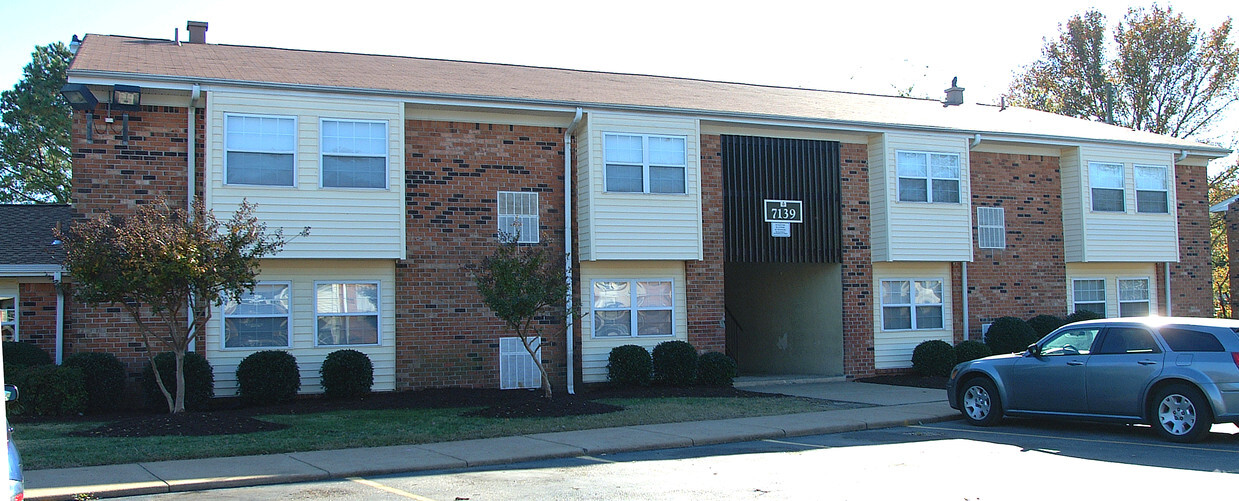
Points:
[1089,295]
[623,308]
[260,319]
[1133,297]
[912,304]
[8,318]
[347,313]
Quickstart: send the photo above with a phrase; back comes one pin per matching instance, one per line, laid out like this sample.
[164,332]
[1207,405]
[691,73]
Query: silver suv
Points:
[1179,375]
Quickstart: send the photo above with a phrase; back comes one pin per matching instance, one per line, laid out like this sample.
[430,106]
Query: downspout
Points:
[569,321]
[60,318]
[1169,312]
[191,153]
[964,294]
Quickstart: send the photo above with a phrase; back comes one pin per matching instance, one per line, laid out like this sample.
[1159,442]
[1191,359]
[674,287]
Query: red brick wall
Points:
[704,279]
[1190,278]
[857,266]
[446,336]
[1029,276]
[37,315]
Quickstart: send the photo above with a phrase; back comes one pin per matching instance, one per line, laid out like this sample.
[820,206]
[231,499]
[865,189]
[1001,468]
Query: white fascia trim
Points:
[569,107]
[30,270]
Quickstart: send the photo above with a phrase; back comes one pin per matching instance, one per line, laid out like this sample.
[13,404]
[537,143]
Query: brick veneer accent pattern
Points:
[704,279]
[1029,276]
[857,269]
[446,336]
[37,311]
[1190,278]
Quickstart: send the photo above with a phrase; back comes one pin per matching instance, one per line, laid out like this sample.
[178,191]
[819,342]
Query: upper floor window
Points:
[1133,297]
[927,177]
[347,313]
[1106,181]
[354,154]
[259,150]
[645,163]
[633,308]
[991,228]
[518,215]
[1152,192]
[1089,295]
[912,304]
[260,319]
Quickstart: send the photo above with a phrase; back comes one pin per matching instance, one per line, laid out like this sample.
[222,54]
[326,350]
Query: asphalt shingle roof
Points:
[26,233]
[126,57]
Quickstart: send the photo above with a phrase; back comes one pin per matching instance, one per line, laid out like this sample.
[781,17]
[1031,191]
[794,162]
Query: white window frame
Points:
[929,177]
[322,155]
[223,326]
[1148,293]
[941,304]
[377,313]
[986,216]
[292,152]
[11,321]
[525,220]
[1164,189]
[633,307]
[645,162]
[1122,188]
[1104,294]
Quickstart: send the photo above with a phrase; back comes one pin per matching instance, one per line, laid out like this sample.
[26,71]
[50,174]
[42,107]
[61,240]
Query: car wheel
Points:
[979,402]
[1180,413]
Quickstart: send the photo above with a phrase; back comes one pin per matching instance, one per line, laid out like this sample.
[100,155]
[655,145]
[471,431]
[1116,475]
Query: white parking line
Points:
[1088,440]
[393,490]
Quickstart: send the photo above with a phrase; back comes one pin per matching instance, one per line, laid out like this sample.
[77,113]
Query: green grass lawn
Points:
[48,445]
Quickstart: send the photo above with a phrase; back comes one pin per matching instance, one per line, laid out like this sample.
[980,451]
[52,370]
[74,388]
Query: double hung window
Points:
[1106,181]
[628,308]
[518,216]
[1152,192]
[1133,297]
[1089,295]
[354,154]
[260,319]
[912,305]
[259,150]
[645,163]
[928,177]
[347,313]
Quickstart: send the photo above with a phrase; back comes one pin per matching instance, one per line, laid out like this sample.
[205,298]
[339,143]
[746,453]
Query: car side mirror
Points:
[1034,350]
[10,393]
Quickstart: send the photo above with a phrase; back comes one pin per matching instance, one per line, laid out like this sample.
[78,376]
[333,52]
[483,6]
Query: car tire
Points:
[979,402]
[1180,413]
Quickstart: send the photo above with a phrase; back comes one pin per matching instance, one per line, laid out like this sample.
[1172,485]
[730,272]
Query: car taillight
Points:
[1235,355]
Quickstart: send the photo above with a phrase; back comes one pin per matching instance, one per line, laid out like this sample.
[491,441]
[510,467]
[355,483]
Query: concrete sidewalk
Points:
[893,406]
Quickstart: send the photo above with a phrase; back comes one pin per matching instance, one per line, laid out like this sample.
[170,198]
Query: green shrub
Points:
[971,350]
[268,377]
[104,377]
[1082,315]
[715,369]
[1045,324]
[48,390]
[199,381]
[19,353]
[1010,335]
[933,358]
[347,374]
[675,363]
[629,365]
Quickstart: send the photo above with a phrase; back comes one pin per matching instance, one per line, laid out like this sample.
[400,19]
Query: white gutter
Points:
[976,141]
[568,322]
[964,294]
[60,319]
[191,153]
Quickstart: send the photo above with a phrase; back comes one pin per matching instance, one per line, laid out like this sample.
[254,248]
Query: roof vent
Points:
[955,94]
[197,31]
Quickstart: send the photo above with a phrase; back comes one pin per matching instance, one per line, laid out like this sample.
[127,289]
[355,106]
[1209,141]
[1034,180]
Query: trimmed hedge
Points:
[675,363]
[1045,324]
[716,369]
[971,350]
[268,377]
[347,374]
[1082,315]
[199,381]
[933,358]
[1010,335]
[104,378]
[23,354]
[629,365]
[48,390]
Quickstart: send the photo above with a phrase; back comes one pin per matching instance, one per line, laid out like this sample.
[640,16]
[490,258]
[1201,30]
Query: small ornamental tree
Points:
[166,268]
[523,285]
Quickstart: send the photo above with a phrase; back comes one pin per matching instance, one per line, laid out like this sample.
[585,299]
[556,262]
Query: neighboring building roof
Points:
[1224,205]
[26,234]
[117,57]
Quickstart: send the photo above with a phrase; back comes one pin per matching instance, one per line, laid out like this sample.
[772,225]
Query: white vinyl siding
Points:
[892,348]
[344,223]
[1129,288]
[354,154]
[1103,236]
[594,350]
[518,216]
[260,150]
[991,228]
[637,226]
[879,206]
[921,231]
[1071,176]
[303,276]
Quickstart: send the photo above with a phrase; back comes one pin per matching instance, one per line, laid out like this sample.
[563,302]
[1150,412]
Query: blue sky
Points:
[873,47]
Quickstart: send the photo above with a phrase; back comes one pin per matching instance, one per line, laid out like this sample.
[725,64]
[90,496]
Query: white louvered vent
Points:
[516,368]
[991,228]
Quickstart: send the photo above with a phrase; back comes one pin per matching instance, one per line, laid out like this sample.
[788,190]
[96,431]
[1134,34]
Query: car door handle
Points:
[1147,362]
[1075,362]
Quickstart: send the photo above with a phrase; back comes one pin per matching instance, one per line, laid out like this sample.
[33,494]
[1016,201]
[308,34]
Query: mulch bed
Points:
[228,417]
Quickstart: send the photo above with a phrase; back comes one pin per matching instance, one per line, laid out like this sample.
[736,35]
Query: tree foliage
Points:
[1161,73]
[35,158]
[1222,185]
[166,269]
[524,285]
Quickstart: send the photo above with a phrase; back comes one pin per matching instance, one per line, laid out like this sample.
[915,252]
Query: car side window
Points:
[1123,340]
[1190,340]
[1070,342]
